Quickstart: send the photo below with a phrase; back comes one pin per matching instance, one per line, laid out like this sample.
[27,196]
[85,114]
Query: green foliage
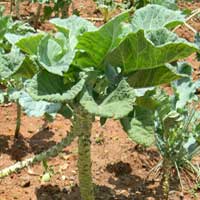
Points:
[87,64]
[41,88]
[155,16]
[166,3]
[142,3]
[37,108]
[15,68]
[178,135]
[139,125]
[174,121]
[168,48]
[4,23]
[8,26]
[98,59]
[197,42]
[94,71]
[107,8]
[93,47]
[77,60]
[60,8]
[116,105]
[153,77]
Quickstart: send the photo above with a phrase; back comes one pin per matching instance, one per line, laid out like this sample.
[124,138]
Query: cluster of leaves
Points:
[13,71]
[108,71]
[67,59]
[169,121]
[70,61]
[167,3]
[109,7]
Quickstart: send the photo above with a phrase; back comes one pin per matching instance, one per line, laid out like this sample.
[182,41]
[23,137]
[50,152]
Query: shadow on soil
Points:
[40,141]
[122,181]
[52,192]
[17,149]
[20,147]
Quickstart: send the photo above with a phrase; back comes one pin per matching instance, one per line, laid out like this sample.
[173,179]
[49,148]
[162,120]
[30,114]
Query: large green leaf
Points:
[156,100]
[197,42]
[4,68]
[140,51]
[93,47]
[50,87]
[73,26]
[184,91]
[152,77]
[13,94]
[9,62]
[54,56]
[154,17]
[12,38]
[27,69]
[171,4]
[30,44]
[37,108]
[140,126]
[4,24]
[117,105]
[54,53]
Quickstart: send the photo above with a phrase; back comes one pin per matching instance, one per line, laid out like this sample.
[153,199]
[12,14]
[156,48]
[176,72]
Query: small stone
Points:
[124,192]
[25,183]
[74,172]
[137,192]
[30,131]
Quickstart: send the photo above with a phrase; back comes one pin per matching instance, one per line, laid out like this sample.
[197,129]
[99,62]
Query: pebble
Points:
[25,183]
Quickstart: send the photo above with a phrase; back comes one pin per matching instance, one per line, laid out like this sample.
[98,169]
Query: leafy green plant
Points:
[48,172]
[107,8]
[93,84]
[172,123]
[11,76]
[8,62]
[94,70]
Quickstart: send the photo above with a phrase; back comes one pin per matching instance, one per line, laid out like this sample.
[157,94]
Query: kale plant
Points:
[97,71]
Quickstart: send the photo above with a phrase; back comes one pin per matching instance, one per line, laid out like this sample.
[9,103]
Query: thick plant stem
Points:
[18,120]
[82,125]
[166,178]
[52,152]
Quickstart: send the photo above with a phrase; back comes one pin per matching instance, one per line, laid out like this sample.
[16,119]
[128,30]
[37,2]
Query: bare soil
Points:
[120,167]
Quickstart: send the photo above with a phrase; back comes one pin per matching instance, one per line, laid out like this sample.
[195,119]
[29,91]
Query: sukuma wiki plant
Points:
[172,123]
[99,71]
[13,75]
